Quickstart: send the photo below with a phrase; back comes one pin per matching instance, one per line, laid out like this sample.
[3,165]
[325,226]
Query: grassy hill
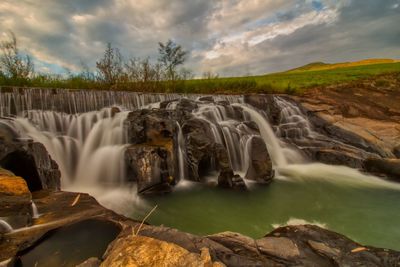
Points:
[293,81]
[328,66]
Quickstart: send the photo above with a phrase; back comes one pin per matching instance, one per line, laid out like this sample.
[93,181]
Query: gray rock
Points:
[227,179]
[149,166]
[31,161]
[386,167]
[260,167]
[280,247]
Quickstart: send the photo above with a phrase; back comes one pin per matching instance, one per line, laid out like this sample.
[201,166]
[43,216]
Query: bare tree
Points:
[12,63]
[210,75]
[110,68]
[171,56]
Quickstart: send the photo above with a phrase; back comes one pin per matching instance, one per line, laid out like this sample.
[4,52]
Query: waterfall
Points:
[35,212]
[292,122]
[275,150]
[5,227]
[15,100]
[303,172]
[88,147]
[181,156]
[229,129]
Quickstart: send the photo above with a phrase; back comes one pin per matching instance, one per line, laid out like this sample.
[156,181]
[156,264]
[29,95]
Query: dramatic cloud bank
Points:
[231,37]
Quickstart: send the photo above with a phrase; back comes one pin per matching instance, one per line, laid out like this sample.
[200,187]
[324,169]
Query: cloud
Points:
[231,37]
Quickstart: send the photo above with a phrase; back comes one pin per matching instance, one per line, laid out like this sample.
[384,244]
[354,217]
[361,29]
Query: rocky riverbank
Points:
[147,245]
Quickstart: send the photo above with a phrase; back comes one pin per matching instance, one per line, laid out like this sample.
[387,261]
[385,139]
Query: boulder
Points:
[227,179]
[133,250]
[260,165]
[310,245]
[384,167]
[152,168]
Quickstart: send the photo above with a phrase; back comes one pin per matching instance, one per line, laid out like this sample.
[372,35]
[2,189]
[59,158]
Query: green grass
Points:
[291,82]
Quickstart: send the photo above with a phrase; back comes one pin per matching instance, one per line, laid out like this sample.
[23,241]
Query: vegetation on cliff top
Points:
[115,73]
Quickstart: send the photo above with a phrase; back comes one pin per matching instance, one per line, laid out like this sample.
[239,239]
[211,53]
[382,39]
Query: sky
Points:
[228,37]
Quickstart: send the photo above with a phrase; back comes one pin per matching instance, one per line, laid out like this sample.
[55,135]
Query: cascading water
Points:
[229,129]
[303,172]
[268,135]
[181,156]
[87,147]
[5,227]
[35,211]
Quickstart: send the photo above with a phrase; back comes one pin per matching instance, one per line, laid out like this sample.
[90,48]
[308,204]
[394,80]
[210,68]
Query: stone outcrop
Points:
[227,179]
[31,161]
[260,165]
[362,114]
[151,157]
[200,147]
[151,167]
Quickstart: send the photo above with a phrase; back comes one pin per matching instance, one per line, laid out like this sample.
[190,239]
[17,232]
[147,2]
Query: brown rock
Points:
[324,249]
[135,251]
[280,247]
[387,167]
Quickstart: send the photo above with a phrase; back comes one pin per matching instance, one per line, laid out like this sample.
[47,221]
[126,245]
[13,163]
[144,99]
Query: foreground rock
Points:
[15,200]
[305,245]
[133,250]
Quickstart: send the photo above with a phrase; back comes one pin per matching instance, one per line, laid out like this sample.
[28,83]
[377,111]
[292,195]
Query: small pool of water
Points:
[71,245]
[365,214]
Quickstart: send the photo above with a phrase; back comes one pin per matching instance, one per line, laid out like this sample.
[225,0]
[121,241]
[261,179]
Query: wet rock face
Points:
[260,165]
[396,151]
[200,147]
[265,103]
[31,161]
[151,160]
[389,168]
[147,126]
[150,167]
[227,179]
